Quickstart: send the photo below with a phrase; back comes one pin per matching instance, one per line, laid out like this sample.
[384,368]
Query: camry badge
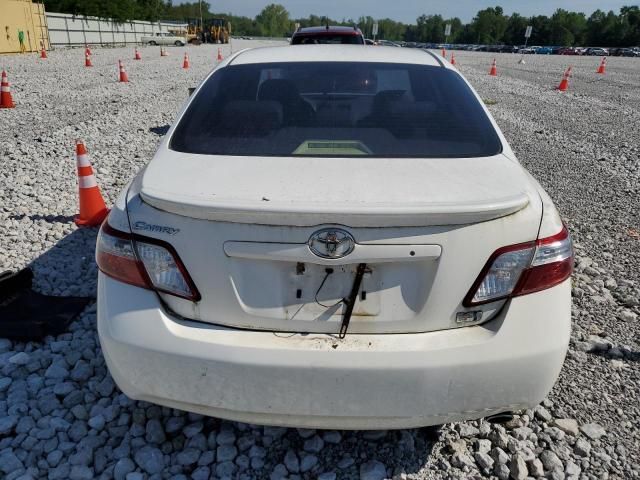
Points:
[331,243]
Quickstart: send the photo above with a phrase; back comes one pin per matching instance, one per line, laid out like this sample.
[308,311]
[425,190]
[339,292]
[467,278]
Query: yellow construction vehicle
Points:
[216,30]
[220,30]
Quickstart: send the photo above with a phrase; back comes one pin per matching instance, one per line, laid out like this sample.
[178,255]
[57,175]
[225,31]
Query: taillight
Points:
[524,268]
[144,262]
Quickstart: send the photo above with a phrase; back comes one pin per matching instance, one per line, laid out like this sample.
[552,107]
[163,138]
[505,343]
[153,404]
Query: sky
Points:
[408,10]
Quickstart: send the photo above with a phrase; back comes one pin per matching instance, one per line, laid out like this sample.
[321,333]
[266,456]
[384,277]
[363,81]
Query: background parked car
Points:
[528,50]
[164,38]
[387,43]
[568,51]
[508,49]
[596,51]
[627,52]
[327,35]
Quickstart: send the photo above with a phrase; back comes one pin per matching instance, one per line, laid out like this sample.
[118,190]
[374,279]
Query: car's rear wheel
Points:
[152,43]
[178,44]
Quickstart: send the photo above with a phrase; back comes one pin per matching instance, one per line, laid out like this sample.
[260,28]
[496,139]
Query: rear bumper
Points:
[361,382]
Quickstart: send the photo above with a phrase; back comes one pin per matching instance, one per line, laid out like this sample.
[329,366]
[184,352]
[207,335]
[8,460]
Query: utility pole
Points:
[527,34]
[201,22]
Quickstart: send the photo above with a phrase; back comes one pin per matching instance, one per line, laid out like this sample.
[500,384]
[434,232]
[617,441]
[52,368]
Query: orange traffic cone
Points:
[87,60]
[137,55]
[220,57]
[43,53]
[564,83]
[453,59]
[5,93]
[123,73]
[602,69]
[444,53]
[494,69]
[87,50]
[92,207]
[185,63]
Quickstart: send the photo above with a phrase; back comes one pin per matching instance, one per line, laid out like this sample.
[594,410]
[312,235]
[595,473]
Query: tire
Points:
[152,43]
[178,43]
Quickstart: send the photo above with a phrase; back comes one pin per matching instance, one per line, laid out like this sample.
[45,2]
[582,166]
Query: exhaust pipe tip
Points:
[500,418]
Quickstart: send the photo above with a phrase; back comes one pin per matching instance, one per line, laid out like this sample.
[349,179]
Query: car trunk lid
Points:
[242,231]
[360,192]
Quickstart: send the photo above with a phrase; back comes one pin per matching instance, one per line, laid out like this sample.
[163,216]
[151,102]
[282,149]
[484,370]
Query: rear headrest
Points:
[250,117]
[412,110]
[278,89]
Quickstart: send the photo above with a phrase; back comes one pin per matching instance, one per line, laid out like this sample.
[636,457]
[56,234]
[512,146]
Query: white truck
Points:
[164,38]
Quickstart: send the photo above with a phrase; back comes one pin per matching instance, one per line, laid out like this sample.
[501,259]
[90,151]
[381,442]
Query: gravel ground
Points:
[61,416]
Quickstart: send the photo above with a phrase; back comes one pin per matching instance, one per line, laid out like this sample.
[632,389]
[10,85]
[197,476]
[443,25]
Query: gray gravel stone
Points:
[122,468]
[4,383]
[257,463]
[308,462]
[593,430]
[291,462]
[154,432]
[484,461]
[332,437]
[482,445]
[56,372]
[518,467]
[61,472]
[105,387]
[97,422]
[9,462]
[314,444]
[582,447]
[226,438]
[467,431]
[225,469]
[279,472]
[207,458]
[7,424]
[567,425]
[551,461]
[192,429]
[150,459]
[5,345]
[536,468]
[81,372]
[226,453]
[81,472]
[499,456]
[188,456]
[327,476]
[257,451]
[373,470]
[201,473]
[21,358]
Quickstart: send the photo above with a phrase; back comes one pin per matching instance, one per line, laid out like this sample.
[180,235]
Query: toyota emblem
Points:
[331,243]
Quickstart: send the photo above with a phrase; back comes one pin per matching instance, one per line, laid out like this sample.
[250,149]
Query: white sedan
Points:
[335,237]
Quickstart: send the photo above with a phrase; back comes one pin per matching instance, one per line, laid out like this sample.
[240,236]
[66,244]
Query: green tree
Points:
[567,28]
[274,21]
[515,29]
[489,25]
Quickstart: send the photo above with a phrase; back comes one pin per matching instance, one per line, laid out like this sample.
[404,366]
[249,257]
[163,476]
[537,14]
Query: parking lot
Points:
[61,416]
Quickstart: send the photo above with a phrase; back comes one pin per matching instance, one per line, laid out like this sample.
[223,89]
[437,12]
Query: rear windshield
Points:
[336,109]
[327,38]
